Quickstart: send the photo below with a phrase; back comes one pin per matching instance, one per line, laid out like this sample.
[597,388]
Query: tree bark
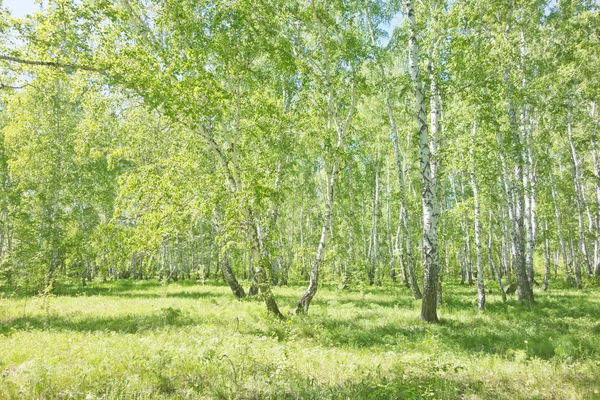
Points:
[428,191]
[517,229]
[230,168]
[313,285]
[477,220]
[400,159]
[340,128]
[597,177]
[578,201]
[546,258]
[491,259]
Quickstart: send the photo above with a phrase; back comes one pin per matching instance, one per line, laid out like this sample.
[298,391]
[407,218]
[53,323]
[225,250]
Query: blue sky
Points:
[20,8]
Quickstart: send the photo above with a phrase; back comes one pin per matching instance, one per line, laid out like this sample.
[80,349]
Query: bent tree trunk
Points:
[233,283]
[228,274]
[334,121]
[313,285]
[230,168]
[261,266]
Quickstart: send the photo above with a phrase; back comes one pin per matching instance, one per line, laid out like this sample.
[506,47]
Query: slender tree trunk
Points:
[226,269]
[491,259]
[546,257]
[463,266]
[574,262]
[469,253]
[517,232]
[340,128]
[597,177]
[578,201]
[313,285]
[236,288]
[557,214]
[510,211]
[528,218]
[436,115]
[399,252]
[374,236]
[230,168]
[401,163]
[528,175]
[388,224]
[477,218]
[429,191]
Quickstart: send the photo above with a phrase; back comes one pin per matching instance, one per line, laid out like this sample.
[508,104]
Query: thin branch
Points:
[352,105]
[3,86]
[52,64]
[143,26]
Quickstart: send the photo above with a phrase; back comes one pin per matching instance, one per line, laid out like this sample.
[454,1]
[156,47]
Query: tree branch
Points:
[52,64]
[3,86]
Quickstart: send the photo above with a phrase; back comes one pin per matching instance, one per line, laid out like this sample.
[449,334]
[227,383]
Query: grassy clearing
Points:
[141,340]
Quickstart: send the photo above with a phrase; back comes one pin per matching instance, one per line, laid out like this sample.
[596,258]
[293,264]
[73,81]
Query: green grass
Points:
[140,340]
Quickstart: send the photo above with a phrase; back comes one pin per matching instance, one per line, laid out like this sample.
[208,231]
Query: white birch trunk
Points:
[428,191]
[578,201]
[401,164]
[477,221]
[340,128]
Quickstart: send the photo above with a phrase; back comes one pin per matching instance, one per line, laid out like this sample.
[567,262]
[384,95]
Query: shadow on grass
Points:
[555,326]
[119,324]
[558,324]
[374,385]
[121,287]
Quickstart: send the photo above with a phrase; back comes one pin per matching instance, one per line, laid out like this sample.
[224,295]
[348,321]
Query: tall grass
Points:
[142,340]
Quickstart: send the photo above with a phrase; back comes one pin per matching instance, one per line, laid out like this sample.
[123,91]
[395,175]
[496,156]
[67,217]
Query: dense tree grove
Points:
[280,140]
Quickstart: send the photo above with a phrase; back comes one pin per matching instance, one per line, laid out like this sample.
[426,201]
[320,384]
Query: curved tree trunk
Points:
[340,128]
[231,169]
[226,269]
[233,283]
[313,285]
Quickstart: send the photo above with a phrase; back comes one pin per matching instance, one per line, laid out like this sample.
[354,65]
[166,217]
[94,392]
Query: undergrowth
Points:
[143,340]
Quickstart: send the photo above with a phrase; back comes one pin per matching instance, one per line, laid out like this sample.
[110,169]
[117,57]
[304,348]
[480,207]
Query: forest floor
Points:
[143,340]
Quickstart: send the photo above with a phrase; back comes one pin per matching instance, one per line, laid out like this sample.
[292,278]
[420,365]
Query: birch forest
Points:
[300,199]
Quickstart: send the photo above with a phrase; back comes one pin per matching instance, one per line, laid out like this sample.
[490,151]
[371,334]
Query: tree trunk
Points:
[429,191]
[491,259]
[340,128]
[477,218]
[375,237]
[597,177]
[230,168]
[546,258]
[557,214]
[313,285]
[517,230]
[401,162]
[236,288]
[578,201]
